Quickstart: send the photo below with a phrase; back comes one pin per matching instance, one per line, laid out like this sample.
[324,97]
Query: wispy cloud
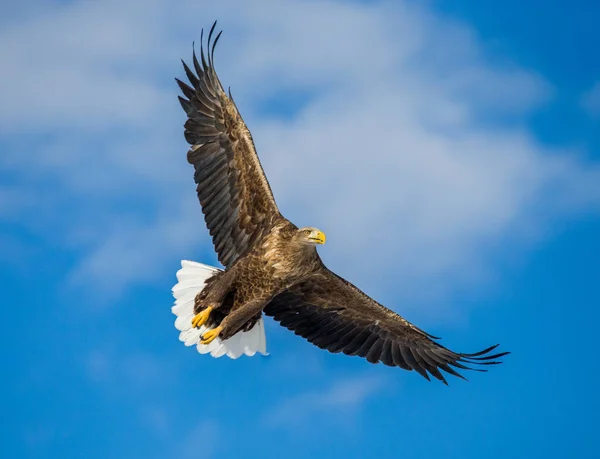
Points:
[131,373]
[13,201]
[54,79]
[340,401]
[409,131]
[142,384]
[591,100]
[201,440]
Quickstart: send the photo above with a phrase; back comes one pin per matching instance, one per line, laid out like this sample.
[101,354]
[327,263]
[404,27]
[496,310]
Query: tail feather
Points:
[192,278]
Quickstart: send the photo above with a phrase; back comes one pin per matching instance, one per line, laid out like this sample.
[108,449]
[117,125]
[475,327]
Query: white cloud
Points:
[341,401]
[591,100]
[409,148]
[56,78]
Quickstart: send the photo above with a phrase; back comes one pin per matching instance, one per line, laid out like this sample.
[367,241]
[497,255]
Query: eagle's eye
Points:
[307,231]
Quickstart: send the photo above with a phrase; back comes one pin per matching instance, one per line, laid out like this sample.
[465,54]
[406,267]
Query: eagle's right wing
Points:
[236,198]
[333,314]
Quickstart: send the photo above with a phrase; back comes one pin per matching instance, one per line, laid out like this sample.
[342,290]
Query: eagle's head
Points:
[310,236]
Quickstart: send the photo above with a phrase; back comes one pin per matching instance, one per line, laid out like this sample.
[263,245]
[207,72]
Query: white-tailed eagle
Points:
[271,266]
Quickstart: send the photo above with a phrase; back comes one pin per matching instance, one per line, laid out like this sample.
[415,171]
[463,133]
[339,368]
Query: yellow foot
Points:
[201,318]
[210,335]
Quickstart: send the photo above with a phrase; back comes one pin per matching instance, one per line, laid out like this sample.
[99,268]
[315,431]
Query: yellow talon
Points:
[210,335]
[201,318]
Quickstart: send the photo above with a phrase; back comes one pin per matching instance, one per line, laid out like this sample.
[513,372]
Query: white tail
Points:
[191,280]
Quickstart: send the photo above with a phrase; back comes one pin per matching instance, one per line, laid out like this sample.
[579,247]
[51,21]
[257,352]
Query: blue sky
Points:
[464,136]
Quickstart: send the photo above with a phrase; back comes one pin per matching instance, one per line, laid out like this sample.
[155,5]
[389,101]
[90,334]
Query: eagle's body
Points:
[278,262]
[271,266]
[275,263]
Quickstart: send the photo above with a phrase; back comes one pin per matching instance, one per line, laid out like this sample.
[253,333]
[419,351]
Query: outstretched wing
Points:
[333,314]
[236,198]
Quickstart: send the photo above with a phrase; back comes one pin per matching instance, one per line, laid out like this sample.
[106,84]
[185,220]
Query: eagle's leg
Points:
[236,319]
[205,302]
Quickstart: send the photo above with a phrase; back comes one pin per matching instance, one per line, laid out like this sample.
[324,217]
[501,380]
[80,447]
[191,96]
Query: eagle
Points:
[271,266]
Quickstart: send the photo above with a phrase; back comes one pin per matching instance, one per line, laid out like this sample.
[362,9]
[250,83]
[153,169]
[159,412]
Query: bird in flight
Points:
[271,266]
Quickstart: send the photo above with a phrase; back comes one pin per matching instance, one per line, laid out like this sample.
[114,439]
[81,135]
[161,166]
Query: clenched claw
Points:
[210,335]
[201,318]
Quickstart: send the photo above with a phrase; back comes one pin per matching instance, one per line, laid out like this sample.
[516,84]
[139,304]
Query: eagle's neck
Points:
[288,258]
[306,255]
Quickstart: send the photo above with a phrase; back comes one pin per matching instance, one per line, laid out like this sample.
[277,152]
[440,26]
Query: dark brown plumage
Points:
[272,266]
[237,202]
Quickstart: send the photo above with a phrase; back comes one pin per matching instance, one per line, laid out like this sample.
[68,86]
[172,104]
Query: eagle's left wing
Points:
[333,314]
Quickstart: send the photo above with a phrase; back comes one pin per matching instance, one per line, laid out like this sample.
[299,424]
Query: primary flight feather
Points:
[271,266]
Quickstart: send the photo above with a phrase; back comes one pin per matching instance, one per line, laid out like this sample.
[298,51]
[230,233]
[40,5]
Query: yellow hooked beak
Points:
[318,237]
